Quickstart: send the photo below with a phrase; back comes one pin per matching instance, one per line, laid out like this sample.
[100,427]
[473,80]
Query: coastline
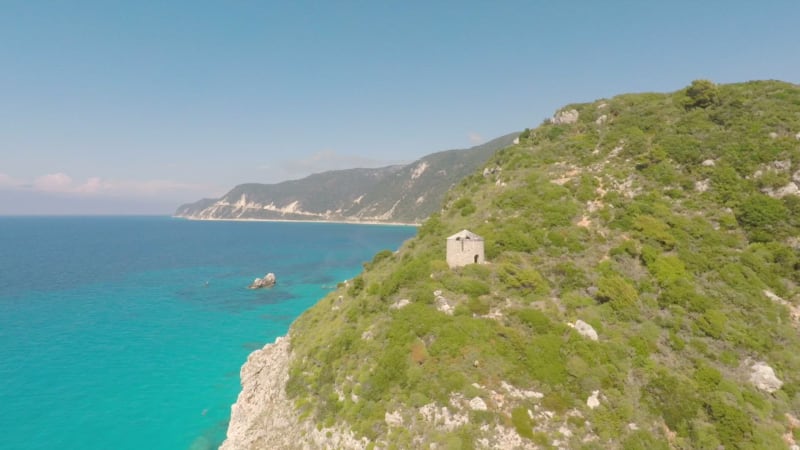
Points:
[347,222]
[262,415]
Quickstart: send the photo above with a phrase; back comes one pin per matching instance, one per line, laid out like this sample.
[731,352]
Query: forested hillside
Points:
[640,290]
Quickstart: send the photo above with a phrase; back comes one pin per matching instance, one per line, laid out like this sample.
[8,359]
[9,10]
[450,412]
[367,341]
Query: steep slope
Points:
[640,292]
[406,194]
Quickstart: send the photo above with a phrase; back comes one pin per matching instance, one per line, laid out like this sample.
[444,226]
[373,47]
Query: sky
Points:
[121,107]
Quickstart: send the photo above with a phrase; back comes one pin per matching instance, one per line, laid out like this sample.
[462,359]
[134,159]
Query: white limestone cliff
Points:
[263,417]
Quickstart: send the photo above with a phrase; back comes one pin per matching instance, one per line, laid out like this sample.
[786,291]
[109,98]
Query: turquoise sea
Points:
[129,332]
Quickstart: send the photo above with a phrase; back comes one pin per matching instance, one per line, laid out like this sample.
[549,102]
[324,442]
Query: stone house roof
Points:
[465,235]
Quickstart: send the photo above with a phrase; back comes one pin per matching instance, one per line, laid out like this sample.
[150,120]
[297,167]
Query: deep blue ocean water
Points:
[129,332]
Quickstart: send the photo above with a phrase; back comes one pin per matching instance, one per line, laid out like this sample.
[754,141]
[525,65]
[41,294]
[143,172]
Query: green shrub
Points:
[701,94]
[763,217]
[465,206]
[643,440]
[628,247]
[734,426]
[356,287]
[381,255]
[519,278]
[668,269]
[675,399]
[536,320]
[707,378]
[573,300]
[655,230]
[478,306]
[522,422]
[570,276]
[433,226]
[557,402]
[615,290]
[682,292]
[545,360]
[464,285]
[712,323]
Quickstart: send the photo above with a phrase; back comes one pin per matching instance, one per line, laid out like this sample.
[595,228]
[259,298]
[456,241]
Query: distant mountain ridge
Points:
[393,194]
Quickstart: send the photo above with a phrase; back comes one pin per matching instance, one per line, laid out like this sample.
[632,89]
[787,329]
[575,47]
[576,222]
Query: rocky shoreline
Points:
[345,222]
[263,417]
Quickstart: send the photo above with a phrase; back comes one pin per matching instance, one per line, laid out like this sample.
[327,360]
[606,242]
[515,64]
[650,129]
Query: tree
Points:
[701,94]
[763,217]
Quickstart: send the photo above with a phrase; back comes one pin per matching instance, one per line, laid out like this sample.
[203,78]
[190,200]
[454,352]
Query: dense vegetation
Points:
[663,220]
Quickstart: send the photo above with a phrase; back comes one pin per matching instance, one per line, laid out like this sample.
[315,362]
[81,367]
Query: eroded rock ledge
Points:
[263,417]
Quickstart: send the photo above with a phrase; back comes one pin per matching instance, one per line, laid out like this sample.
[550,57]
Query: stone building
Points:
[464,247]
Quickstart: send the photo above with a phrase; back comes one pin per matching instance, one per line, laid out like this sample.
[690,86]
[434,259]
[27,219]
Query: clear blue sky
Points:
[137,106]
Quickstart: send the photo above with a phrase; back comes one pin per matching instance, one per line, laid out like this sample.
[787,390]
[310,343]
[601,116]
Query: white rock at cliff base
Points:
[264,417]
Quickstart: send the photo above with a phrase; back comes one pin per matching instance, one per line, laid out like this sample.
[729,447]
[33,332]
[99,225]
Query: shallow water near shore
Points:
[129,332]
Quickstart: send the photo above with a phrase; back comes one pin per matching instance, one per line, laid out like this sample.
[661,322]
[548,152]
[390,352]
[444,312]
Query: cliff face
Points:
[264,418]
[404,194]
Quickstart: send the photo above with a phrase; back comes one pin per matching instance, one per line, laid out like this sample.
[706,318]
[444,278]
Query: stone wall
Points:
[463,252]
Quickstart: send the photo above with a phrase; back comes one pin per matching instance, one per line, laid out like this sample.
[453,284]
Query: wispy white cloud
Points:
[152,187]
[53,182]
[475,138]
[61,183]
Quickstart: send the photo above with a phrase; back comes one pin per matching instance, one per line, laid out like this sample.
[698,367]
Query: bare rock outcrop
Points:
[266,282]
[264,417]
[443,304]
[400,304]
[763,377]
[584,329]
[565,117]
[263,379]
[702,185]
[594,400]
[790,189]
[477,404]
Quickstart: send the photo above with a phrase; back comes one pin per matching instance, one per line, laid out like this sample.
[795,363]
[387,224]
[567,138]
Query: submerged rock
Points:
[267,281]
